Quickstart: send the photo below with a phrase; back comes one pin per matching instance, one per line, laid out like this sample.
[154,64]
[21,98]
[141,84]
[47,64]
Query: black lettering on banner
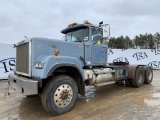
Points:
[12,63]
[110,51]
[5,67]
[155,64]
[121,59]
[156,50]
[8,64]
[140,55]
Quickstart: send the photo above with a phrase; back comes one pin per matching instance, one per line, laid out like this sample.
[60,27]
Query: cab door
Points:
[98,48]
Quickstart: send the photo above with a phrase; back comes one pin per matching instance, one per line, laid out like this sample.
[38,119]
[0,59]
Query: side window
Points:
[97,36]
[68,37]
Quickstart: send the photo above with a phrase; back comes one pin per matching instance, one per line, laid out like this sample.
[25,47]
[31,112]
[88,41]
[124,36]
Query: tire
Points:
[128,83]
[138,81]
[148,75]
[59,95]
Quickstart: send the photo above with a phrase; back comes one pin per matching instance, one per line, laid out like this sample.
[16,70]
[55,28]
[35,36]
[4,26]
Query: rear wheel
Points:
[59,95]
[148,75]
[138,81]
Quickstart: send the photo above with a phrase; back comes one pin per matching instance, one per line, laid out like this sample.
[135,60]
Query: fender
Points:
[52,62]
[132,70]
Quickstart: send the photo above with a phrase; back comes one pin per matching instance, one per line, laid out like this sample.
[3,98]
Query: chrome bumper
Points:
[23,85]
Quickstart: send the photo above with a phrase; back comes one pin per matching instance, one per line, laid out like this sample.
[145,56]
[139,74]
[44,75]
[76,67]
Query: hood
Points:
[44,46]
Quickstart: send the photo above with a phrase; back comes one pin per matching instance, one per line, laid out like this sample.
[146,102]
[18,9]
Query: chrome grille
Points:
[22,58]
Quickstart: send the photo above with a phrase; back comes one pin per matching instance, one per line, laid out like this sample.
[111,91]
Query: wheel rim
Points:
[63,95]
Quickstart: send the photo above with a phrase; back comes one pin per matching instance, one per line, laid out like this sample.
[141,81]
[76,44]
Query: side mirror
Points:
[106,30]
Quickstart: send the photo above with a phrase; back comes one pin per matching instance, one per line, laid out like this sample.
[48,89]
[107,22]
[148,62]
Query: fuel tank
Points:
[97,76]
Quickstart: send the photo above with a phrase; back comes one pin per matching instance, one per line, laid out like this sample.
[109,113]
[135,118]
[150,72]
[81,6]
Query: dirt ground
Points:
[111,102]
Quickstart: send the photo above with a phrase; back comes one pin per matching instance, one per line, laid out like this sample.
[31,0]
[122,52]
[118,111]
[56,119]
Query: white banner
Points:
[149,57]
[7,60]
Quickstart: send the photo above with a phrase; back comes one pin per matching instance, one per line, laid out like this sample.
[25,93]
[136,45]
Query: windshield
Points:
[79,35]
[97,35]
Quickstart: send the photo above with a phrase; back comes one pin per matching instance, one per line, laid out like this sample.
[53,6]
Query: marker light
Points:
[69,25]
[72,24]
[56,52]
[86,22]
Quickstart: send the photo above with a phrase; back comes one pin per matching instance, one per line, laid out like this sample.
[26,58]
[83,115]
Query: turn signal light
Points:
[56,52]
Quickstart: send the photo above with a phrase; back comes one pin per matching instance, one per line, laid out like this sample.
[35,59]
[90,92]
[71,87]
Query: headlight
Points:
[39,65]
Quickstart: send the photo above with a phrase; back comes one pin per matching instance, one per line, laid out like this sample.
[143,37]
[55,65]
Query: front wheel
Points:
[59,95]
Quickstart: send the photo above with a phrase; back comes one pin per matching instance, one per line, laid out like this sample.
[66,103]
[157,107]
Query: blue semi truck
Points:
[59,70]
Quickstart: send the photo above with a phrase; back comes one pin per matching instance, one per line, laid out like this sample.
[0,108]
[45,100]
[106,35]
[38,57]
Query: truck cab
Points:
[91,36]
[59,70]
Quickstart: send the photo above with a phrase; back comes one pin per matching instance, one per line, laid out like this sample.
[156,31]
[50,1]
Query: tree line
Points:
[142,41]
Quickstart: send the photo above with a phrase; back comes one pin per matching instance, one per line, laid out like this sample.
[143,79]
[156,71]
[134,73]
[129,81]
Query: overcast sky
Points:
[46,18]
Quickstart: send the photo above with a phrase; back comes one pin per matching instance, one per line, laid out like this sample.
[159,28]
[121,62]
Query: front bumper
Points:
[23,85]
